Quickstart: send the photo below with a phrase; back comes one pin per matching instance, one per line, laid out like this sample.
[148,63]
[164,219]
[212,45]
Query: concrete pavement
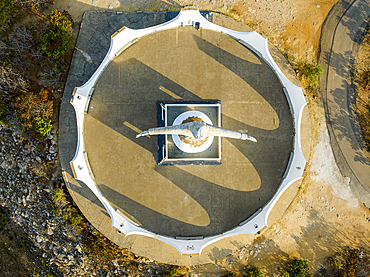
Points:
[94,42]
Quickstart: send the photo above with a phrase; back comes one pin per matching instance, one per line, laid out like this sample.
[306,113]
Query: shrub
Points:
[56,43]
[60,21]
[95,232]
[34,109]
[43,126]
[311,72]
[253,271]
[62,207]
[7,12]
[23,47]
[75,219]
[349,262]
[59,38]
[298,268]
[334,263]
[11,82]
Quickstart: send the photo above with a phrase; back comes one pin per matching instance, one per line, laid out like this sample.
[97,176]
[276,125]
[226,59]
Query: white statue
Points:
[197,130]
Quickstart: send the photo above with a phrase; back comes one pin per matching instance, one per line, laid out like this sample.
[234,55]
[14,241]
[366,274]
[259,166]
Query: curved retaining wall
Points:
[123,39]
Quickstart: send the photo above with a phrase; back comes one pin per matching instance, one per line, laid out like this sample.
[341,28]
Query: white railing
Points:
[123,39]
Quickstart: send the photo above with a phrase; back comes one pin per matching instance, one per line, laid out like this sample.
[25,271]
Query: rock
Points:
[115,263]
[5,165]
[51,150]
[38,159]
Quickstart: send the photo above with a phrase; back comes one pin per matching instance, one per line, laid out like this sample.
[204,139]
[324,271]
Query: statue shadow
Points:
[131,109]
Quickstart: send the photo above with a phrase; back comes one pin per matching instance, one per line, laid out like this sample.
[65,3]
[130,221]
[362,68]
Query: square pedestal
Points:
[168,152]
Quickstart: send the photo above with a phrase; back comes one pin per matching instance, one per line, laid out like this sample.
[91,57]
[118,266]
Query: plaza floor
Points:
[182,64]
[186,64]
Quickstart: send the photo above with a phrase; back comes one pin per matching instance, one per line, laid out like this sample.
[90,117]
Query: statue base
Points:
[174,149]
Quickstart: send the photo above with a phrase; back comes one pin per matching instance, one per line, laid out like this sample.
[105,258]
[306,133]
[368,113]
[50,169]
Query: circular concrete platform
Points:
[185,64]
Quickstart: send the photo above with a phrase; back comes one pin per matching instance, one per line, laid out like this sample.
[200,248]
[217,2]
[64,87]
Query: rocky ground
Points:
[40,239]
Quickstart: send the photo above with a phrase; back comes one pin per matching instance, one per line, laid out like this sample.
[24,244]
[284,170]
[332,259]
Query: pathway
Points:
[342,32]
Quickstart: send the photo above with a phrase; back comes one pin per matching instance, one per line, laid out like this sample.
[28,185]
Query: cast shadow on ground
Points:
[257,74]
[321,238]
[347,105]
[149,80]
[94,39]
[268,149]
[356,34]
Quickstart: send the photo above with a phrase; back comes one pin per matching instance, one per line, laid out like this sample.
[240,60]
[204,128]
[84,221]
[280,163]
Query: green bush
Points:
[298,268]
[60,21]
[56,43]
[43,126]
[311,72]
[95,232]
[59,38]
[75,219]
[7,12]
[253,271]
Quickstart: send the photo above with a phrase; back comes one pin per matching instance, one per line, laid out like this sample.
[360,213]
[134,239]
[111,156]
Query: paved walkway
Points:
[342,32]
[92,45]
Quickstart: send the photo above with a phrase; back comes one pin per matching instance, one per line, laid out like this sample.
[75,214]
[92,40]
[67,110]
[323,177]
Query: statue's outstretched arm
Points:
[169,130]
[221,132]
[196,129]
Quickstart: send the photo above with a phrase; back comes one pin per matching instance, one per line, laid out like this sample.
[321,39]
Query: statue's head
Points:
[199,129]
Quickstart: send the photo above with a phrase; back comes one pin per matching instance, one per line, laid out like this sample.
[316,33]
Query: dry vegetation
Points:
[362,80]
[31,76]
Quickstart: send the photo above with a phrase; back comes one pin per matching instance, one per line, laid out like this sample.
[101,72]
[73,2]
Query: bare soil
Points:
[324,217]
